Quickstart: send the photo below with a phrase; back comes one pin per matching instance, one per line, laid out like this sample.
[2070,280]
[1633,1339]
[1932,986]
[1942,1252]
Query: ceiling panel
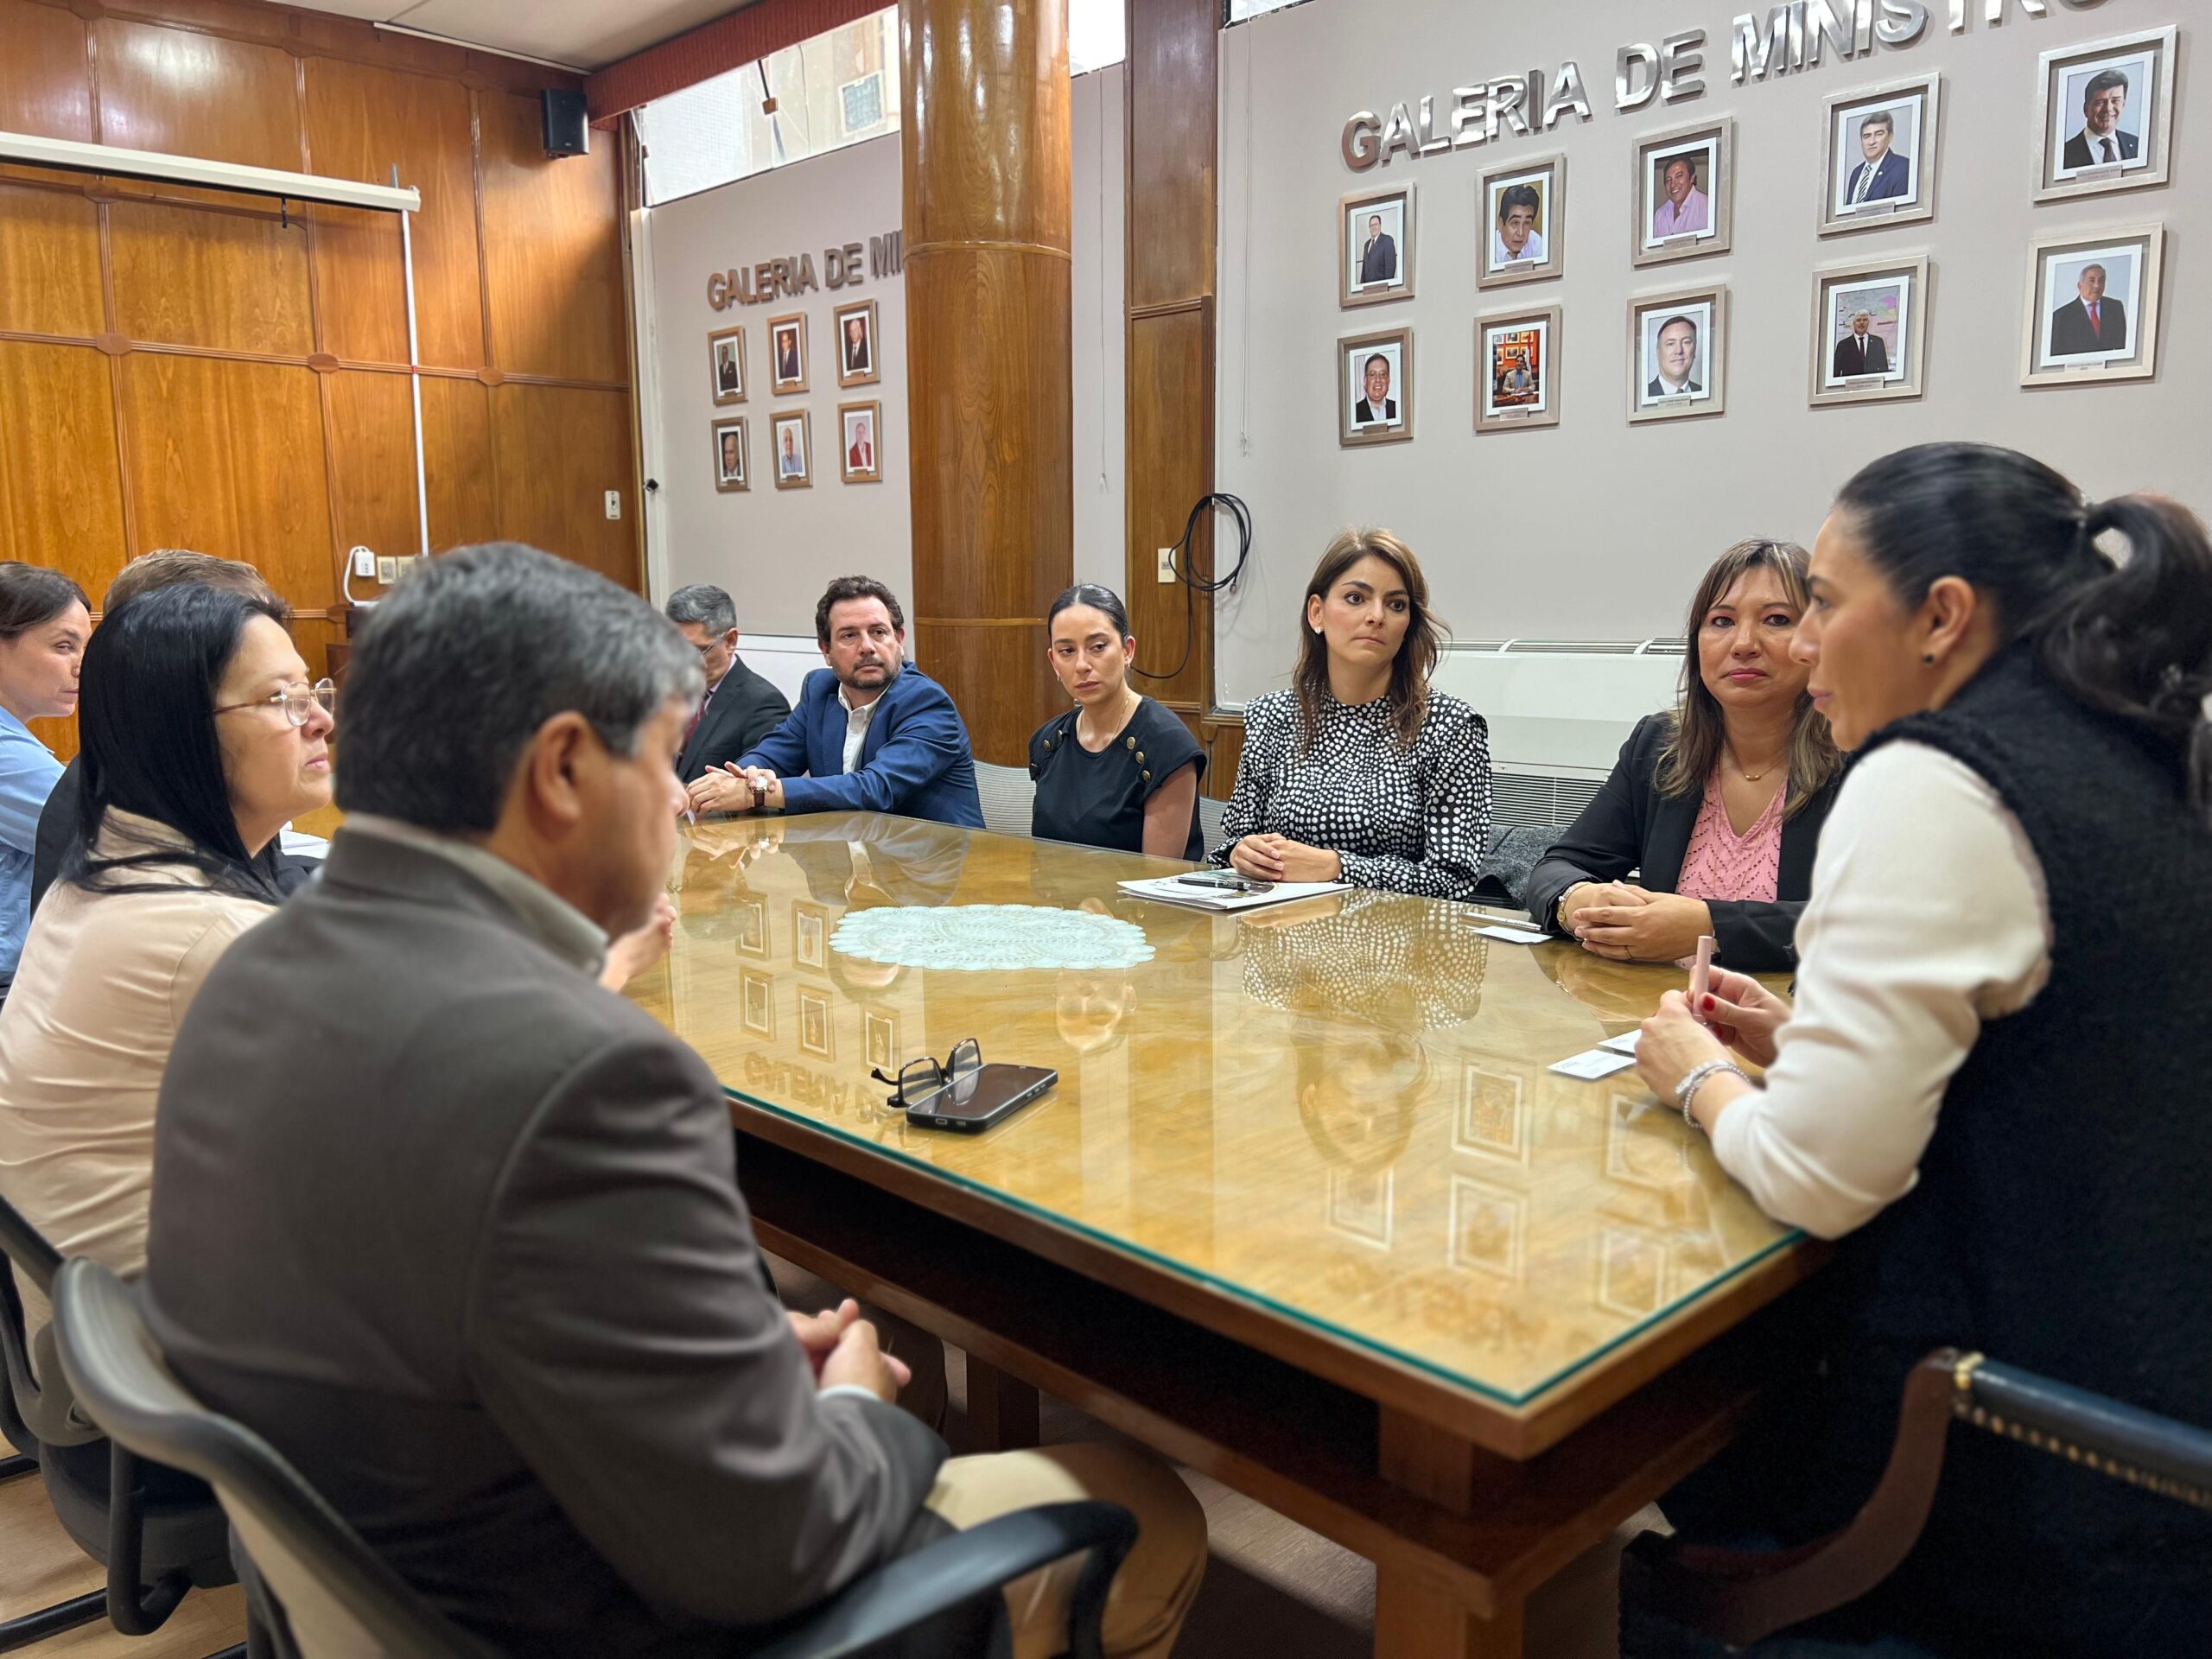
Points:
[587,34]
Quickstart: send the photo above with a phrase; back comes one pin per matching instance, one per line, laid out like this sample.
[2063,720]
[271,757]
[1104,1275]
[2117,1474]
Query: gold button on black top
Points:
[1140,760]
[1146,775]
[1133,742]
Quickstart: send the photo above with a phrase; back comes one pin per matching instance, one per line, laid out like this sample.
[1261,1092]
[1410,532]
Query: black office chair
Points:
[155,1545]
[323,1592]
[1742,1596]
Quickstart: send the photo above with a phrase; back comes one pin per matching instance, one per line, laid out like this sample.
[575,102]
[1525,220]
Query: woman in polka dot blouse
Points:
[1359,772]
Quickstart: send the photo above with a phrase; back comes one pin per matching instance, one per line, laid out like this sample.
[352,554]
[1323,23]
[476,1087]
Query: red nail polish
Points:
[1708,1005]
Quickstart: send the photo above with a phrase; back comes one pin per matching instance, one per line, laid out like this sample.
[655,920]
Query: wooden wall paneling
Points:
[195,94]
[1173,99]
[360,122]
[1171,451]
[1172,118]
[234,282]
[227,457]
[59,501]
[46,86]
[557,451]
[457,466]
[369,424]
[552,250]
[50,262]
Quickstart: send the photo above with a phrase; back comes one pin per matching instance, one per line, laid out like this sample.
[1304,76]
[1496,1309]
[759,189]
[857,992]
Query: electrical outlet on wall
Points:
[387,570]
[1167,565]
[364,563]
[615,504]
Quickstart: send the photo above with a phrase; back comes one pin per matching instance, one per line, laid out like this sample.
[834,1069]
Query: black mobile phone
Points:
[1227,880]
[975,1102]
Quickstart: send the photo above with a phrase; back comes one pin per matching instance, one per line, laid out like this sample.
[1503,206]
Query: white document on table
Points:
[1172,890]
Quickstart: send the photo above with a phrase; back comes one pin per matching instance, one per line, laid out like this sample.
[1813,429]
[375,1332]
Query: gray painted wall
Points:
[1595,529]
[773,548]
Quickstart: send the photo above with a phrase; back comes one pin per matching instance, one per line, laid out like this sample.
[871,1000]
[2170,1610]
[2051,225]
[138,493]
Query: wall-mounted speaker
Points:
[567,131]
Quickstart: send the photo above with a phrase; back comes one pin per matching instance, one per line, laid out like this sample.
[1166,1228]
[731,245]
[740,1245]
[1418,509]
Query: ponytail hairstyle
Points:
[1103,599]
[2132,636]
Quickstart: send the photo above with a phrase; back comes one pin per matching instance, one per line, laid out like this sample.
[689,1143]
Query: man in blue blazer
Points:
[1883,175]
[871,732]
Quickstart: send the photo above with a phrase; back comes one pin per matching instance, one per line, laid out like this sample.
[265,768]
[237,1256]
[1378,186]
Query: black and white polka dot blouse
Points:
[1411,820]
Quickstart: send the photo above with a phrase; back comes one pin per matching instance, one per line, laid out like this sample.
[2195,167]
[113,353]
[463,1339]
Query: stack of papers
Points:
[1172,890]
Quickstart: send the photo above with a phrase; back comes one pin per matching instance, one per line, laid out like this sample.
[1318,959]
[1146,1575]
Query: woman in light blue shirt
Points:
[44,622]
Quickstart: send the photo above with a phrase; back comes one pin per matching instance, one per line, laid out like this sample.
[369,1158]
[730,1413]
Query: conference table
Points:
[1306,1209]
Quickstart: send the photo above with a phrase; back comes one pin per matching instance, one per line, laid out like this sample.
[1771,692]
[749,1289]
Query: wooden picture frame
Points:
[799,420]
[1535,336]
[871,469]
[870,368]
[1916,141]
[1396,347]
[1706,307]
[726,481]
[2133,257]
[1547,175]
[1893,293]
[1395,207]
[2063,72]
[790,330]
[1710,148]
[726,351]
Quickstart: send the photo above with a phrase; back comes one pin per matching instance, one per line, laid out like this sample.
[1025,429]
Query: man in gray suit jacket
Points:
[459,1232]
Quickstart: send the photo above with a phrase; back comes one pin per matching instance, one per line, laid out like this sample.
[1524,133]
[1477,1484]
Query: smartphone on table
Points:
[973,1101]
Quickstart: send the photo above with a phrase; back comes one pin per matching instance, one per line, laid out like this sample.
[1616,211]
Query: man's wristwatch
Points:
[1696,1078]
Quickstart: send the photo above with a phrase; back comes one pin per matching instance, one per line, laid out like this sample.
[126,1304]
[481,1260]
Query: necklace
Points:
[1751,777]
[1130,698]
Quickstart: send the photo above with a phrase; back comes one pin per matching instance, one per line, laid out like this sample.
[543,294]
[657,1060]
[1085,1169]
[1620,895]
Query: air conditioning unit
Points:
[1558,711]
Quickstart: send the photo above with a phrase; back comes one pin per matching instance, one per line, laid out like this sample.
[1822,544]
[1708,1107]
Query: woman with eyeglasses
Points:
[1717,803]
[44,621]
[202,738]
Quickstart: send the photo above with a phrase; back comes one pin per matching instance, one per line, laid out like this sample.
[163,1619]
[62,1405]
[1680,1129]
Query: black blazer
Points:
[1850,360]
[1630,826]
[2078,153]
[2071,335]
[745,708]
[498,1296]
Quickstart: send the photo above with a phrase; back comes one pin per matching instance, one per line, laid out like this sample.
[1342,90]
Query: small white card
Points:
[1623,1044]
[1593,1063]
[1513,935]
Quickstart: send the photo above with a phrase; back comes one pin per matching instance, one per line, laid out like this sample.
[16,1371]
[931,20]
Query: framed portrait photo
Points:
[2092,307]
[791,450]
[1361,1204]
[1490,1228]
[811,936]
[1516,371]
[725,365]
[860,427]
[880,1033]
[2106,115]
[1868,324]
[756,1002]
[752,926]
[1493,1122]
[1524,220]
[1678,354]
[856,364]
[787,354]
[1684,191]
[731,455]
[1878,157]
[814,1025]
[1375,388]
[1375,247]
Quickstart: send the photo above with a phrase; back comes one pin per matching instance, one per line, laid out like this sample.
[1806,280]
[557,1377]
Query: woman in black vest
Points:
[1993,1080]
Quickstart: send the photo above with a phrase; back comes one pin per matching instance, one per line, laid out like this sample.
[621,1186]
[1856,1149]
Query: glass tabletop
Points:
[1339,1109]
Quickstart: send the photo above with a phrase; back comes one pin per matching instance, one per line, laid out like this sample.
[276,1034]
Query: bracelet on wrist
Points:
[1695,1079]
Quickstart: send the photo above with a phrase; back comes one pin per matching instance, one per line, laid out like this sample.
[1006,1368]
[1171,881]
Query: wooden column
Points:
[991,415]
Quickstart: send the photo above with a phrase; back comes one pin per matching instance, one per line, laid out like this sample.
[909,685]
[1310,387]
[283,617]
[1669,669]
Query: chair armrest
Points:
[2170,1458]
[954,1570]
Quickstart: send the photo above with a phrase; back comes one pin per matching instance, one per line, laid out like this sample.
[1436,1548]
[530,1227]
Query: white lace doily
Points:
[986,937]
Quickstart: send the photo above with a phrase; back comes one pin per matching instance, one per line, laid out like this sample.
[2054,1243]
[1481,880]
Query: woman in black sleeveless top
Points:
[1992,1085]
[1117,771]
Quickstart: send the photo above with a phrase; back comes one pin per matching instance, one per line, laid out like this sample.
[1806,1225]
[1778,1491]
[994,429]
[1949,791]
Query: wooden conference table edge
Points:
[1519,1432]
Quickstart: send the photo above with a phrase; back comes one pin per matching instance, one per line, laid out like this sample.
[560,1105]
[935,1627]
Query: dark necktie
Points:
[2108,155]
[697,715]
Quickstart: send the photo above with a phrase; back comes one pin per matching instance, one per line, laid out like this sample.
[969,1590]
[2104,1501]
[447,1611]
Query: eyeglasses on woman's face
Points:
[297,701]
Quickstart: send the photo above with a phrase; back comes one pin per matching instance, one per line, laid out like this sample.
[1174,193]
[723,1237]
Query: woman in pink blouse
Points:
[1717,804]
